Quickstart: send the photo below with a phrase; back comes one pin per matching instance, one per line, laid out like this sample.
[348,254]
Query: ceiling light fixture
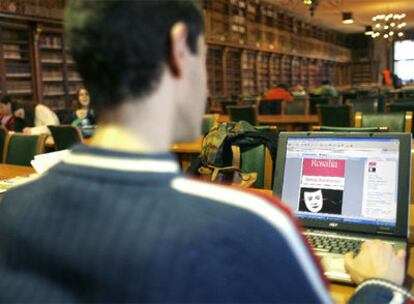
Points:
[313,5]
[347,18]
[389,26]
[368,30]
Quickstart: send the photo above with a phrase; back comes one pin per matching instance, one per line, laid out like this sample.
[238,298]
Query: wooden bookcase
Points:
[262,45]
[16,61]
[263,71]
[215,71]
[52,69]
[248,75]
[232,72]
[35,65]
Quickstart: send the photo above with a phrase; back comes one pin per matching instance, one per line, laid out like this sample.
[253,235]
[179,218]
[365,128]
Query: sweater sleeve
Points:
[45,116]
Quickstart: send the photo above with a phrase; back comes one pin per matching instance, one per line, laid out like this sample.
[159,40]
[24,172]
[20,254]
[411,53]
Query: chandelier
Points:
[313,4]
[388,26]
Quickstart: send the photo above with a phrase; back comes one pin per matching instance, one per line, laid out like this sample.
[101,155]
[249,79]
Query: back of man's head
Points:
[121,47]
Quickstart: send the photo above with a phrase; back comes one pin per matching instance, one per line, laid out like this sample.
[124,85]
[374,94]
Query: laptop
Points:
[346,188]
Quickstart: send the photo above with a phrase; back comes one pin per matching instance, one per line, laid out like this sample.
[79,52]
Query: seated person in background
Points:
[83,116]
[33,118]
[6,115]
[280,92]
[117,222]
[298,91]
[326,89]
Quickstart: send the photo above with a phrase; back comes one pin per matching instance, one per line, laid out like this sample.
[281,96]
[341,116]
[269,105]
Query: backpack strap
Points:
[236,156]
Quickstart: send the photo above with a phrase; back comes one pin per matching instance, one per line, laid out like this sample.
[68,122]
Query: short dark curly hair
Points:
[121,46]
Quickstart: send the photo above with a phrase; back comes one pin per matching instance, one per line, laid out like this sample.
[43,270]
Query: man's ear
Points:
[178,48]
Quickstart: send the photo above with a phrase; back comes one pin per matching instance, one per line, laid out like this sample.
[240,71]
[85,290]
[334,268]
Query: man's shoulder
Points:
[238,206]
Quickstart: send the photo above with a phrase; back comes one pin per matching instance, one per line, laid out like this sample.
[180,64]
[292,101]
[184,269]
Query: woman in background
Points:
[83,115]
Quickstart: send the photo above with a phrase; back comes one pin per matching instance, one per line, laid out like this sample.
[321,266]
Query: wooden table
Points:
[10,171]
[284,122]
[187,152]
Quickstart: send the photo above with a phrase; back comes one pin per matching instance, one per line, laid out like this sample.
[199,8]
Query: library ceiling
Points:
[329,12]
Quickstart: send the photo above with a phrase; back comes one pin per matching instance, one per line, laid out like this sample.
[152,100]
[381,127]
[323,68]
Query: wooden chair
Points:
[270,106]
[335,115]
[396,122]
[401,107]
[258,159]
[315,100]
[20,149]
[299,106]
[209,121]
[226,103]
[65,136]
[366,105]
[3,135]
[246,113]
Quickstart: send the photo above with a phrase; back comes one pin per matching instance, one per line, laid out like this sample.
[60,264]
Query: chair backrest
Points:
[362,94]
[404,100]
[257,159]
[396,122]
[225,103]
[246,113]
[409,94]
[209,121]
[65,136]
[3,135]
[348,95]
[20,149]
[366,105]
[248,100]
[299,106]
[350,129]
[401,107]
[270,106]
[335,115]
[317,100]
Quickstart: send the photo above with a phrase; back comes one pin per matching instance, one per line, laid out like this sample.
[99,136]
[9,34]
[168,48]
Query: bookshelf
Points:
[287,70]
[304,72]
[35,65]
[52,69]
[16,62]
[252,32]
[248,69]
[215,71]
[263,78]
[296,71]
[232,72]
[363,72]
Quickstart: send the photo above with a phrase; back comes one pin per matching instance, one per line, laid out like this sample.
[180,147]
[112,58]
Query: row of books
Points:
[52,74]
[19,86]
[54,42]
[53,89]
[52,58]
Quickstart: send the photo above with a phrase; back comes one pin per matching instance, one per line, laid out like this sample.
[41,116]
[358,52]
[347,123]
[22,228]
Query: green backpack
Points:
[220,161]
[215,151]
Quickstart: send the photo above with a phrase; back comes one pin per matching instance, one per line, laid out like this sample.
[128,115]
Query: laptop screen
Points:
[342,179]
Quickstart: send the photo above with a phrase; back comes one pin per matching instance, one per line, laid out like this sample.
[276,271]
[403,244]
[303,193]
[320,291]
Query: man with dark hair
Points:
[280,92]
[118,222]
[326,89]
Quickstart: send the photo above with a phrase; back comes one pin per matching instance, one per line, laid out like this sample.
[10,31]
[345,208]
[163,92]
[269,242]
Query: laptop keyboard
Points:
[334,244]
